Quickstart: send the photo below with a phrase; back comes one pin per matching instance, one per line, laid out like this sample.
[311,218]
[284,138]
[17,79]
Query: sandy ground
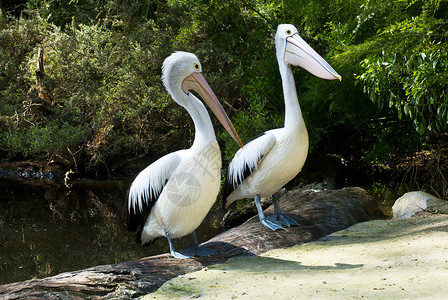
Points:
[382,259]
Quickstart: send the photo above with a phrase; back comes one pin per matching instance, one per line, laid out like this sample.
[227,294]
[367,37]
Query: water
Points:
[385,194]
[47,228]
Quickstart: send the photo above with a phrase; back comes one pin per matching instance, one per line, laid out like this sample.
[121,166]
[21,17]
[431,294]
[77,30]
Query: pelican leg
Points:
[274,225]
[278,217]
[195,249]
[173,251]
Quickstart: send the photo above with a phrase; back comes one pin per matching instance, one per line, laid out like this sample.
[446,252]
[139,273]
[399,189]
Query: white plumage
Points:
[270,161]
[172,196]
[282,155]
[192,183]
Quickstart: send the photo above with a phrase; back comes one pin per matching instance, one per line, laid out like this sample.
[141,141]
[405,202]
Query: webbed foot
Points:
[282,219]
[279,217]
[274,225]
[173,251]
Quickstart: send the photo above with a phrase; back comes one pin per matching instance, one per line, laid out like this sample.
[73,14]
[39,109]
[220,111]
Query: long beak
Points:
[197,83]
[228,203]
[299,53]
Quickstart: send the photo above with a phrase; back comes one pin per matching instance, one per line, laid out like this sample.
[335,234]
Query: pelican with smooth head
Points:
[271,160]
[172,196]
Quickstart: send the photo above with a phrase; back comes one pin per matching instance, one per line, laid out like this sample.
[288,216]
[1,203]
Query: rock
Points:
[411,203]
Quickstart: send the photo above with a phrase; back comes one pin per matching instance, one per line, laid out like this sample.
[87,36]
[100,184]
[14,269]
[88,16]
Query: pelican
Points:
[271,160]
[171,196]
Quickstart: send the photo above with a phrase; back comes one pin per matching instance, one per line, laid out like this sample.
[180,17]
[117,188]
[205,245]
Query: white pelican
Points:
[271,160]
[172,196]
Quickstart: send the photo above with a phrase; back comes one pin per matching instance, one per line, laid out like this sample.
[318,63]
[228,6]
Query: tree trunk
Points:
[318,214]
[40,76]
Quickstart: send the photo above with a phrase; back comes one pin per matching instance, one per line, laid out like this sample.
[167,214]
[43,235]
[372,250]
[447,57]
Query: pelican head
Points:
[293,50]
[181,72]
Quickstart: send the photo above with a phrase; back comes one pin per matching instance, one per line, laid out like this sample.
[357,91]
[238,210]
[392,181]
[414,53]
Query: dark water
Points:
[385,194]
[47,228]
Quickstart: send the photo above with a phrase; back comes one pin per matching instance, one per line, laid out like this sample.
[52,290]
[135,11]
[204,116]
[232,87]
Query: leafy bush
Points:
[409,75]
[40,142]
[102,74]
[105,86]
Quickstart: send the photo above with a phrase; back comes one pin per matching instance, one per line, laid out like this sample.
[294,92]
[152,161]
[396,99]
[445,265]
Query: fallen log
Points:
[318,214]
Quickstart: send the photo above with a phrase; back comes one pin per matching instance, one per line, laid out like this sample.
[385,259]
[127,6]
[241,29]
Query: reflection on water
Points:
[46,228]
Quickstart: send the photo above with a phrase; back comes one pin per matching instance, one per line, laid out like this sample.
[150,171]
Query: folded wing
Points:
[246,161]
[145,191]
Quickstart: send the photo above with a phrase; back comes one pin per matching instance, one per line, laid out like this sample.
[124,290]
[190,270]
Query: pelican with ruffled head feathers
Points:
[172,196]
[268,162]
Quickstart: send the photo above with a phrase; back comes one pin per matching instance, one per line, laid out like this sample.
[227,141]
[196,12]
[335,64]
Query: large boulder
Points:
[415,202]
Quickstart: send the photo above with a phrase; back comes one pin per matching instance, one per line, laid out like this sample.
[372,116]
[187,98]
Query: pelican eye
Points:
[288,31]
[196,67]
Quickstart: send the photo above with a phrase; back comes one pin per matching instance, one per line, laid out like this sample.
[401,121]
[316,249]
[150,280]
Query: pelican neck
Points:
[204,132]
[293,113]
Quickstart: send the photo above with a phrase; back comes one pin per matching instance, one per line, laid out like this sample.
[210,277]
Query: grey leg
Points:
[277,216]
[195,249]
[173,251]
[268,223]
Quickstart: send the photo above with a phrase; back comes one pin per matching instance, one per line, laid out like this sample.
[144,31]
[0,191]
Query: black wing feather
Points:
[136,219]
[229,186]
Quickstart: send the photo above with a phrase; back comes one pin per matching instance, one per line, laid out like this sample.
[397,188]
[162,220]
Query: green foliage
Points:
[409,74]
[37,142]
[250,123]
[102,71]
[105,86]
[392,139]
